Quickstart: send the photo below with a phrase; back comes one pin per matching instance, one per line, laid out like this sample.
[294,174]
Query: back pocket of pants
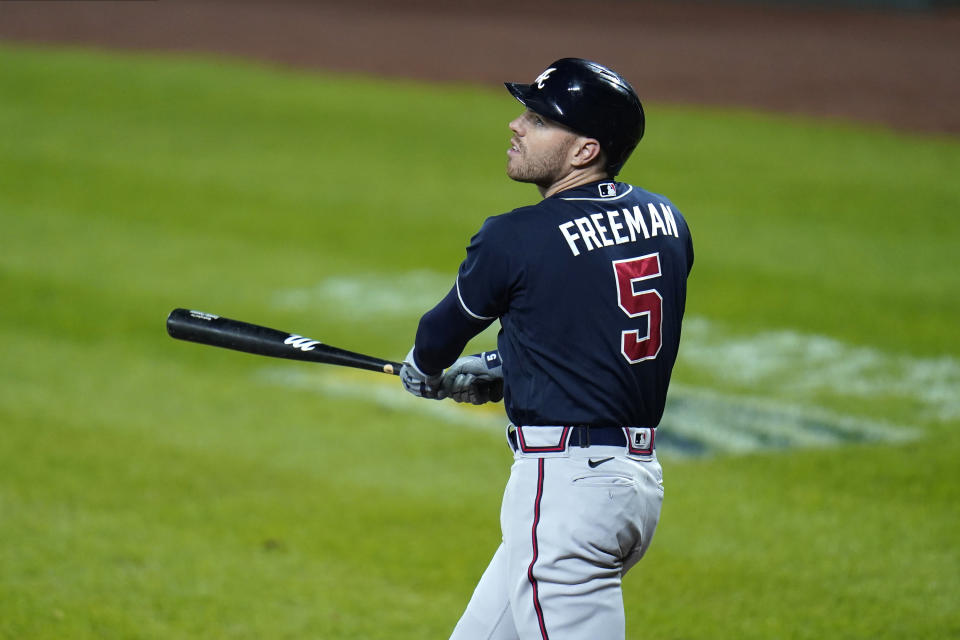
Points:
[604,480]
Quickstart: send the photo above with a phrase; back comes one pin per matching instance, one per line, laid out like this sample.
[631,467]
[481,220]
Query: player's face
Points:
[538,150]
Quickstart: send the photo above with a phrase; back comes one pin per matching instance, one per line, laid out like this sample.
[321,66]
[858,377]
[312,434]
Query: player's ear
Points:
[585,151]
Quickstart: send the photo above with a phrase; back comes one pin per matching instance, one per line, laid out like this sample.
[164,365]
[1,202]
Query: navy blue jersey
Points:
[589,286]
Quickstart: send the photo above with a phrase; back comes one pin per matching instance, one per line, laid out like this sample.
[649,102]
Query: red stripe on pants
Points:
[533,581]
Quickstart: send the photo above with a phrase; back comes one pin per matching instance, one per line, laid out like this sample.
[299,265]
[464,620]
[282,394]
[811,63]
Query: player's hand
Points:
[417,382]
[475,379]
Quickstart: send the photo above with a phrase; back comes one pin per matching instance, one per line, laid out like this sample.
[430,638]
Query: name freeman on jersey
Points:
[592,233]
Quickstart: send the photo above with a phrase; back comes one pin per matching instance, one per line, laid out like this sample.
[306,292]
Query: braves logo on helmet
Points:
[543,77]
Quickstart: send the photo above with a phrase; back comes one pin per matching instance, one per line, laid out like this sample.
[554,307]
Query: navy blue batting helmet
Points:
[590,99]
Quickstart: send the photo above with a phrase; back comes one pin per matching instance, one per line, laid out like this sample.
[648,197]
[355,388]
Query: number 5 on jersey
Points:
[635,304]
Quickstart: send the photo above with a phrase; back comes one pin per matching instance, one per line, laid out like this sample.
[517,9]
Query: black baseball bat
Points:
[210,329]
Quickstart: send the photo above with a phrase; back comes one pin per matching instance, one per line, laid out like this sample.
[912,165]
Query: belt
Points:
[599,436]
[638,440]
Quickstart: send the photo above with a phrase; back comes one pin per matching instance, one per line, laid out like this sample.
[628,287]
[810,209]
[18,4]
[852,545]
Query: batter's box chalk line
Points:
[784,363]
[801,366]
[697,422]
[700,421]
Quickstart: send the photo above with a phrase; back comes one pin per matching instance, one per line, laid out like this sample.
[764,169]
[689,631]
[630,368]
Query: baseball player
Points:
[589,287]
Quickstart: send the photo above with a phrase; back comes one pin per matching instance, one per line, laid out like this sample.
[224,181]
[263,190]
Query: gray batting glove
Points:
[475,379]
[417,382]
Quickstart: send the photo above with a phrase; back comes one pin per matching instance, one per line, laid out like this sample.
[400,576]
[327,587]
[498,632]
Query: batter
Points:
[589,286]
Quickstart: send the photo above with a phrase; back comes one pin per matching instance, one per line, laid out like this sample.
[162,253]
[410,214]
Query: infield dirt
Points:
[897,69]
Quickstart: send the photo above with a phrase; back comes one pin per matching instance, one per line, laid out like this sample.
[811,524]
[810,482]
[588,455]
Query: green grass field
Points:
[158,489]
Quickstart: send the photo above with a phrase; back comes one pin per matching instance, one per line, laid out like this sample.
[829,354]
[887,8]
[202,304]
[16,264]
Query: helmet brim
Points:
[534,100]
[519,91]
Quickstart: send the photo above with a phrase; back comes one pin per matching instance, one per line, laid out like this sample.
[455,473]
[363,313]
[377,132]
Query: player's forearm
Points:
[443,333]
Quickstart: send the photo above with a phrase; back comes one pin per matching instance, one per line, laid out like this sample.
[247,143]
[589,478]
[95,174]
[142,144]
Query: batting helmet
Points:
[590,99]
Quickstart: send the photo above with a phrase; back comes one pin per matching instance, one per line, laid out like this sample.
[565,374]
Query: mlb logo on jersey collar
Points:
[607,189]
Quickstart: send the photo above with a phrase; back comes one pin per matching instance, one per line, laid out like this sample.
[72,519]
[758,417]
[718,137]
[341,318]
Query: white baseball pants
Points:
[573,523]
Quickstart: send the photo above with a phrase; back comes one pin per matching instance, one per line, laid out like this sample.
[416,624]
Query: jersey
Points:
[589,286]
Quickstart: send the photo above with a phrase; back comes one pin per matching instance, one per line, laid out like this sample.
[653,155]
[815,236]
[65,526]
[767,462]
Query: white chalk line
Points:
[375,294]
[793,371]
[786,363]
[696,422]
[388,396]
[700,420]
[802,366]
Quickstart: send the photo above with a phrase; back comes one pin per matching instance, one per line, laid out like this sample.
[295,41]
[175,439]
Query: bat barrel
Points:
[214,330]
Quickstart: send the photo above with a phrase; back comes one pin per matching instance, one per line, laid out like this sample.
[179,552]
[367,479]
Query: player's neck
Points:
[576,178]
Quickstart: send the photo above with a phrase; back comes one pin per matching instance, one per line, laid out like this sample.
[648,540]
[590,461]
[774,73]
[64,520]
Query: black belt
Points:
[597,436]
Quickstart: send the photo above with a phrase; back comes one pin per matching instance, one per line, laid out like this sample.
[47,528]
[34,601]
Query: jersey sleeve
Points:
[442,334]
[488,273]
[480,295]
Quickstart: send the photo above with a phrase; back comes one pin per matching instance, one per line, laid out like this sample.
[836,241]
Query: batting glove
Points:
[417,382]
[475,379]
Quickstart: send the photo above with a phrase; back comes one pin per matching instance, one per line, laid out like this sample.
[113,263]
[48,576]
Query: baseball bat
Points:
[210,329]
